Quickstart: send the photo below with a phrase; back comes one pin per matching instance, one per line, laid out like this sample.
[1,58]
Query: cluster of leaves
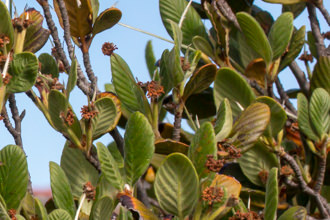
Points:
[235,164]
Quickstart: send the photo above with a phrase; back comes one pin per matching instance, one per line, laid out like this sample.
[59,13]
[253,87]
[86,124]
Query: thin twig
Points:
[321,202]
[324,12]
[118,139]
[284,96]
[90,72]
[93,159]
[177,122]
[315,26]
[142,193]
[300,77]
[322,167]
[81,81]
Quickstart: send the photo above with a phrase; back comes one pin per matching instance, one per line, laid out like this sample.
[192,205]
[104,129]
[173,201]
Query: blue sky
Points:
[41,143]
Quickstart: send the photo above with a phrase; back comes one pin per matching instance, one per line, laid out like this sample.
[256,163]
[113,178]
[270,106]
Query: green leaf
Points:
[294,213]
[250,125]
[280,34]
[224,121]
[312,44]
[61,190]
[3,211]
[108,115]
[296,44]
[271,195]
[165,74]
[255,160]
[137,208]
[13,176]
[104,188]
[95,7]
[168,146]
[112,147]
[6,26]
[72,80]
[200,80]
[176,185]
[23,70]
[296,9]
[303,118]
[102,209]
[77,169]
[36,36]
[59,214]
[80,17]
[109,166]
[192,24]
[139,147]
[129,93]
[203,45]
[277,114]
[150,59]
[246,53]
[319,112]
[321,74]
[202,145]
[255,36]
[284,2]
[40,210]
[48,65]
[106,20]
[231,85]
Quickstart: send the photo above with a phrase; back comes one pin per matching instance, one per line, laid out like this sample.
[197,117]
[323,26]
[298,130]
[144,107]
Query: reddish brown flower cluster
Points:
[213,164]
[69,118]
[108,48]
[263,175]
[88,112]
[251,215]
[212,194]
[7,78]
[185,65]
[286,170]
[228,150]
[326,35]
[306,57]
[19,23]
[154,89]
[4,40]
[89,190]
[12,214]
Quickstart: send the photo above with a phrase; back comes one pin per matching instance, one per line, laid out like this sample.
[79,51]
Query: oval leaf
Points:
[192,24]
[295,212]
[109,166]
[139,147]
[106,20]
[78,170]
[168,146]
[319,112]
[176,185]
[303,117]
[321,74]
[3,212]
[40,210]
[202,145]
[229,84]
[108,115]
[61,190]
[23,70]
[224,121]
[271,195]
[13,175]
[200,80]
[48,65]
[203,45]
[59,214]
[102,209]
[150,59]
[296,44]
[280,34]
[256,161]
[255,36]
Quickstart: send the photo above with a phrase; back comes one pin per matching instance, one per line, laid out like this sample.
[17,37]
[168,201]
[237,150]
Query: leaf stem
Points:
[189,118]
[183,16]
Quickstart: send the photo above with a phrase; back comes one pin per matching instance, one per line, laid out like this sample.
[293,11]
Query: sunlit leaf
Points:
[40,210]
[231,85]
[202,145]
[61,189]
[106,20]
[176,185]
[255,36]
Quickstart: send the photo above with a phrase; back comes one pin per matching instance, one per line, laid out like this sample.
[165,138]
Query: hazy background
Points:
[43,144]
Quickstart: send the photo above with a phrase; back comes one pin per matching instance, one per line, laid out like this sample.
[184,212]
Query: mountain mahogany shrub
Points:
[251,155]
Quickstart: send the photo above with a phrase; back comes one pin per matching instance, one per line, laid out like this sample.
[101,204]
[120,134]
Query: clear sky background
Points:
[42,143]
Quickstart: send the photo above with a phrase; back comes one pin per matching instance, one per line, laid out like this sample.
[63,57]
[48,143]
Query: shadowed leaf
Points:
[168,146]
[59,214]
[224,121]
[48,65]
[102,209]
[295,213]
[271,195]
[106,20]
[6,26]
[321,74]
[150,59]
